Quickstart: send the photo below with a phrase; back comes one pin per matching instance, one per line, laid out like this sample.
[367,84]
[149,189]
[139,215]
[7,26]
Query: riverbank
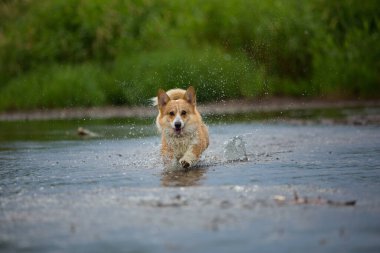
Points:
[213,109]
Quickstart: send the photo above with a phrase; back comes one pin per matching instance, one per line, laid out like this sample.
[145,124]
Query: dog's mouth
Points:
[177,130]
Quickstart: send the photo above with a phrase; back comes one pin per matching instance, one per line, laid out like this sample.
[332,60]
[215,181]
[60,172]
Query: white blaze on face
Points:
[177,123]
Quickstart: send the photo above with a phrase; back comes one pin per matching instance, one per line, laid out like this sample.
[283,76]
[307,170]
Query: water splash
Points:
[234,149]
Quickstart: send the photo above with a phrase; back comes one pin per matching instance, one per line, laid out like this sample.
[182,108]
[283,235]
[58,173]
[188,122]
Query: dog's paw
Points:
[185,164]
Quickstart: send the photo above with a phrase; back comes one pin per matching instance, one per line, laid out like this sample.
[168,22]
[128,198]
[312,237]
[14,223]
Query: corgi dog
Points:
[184,136]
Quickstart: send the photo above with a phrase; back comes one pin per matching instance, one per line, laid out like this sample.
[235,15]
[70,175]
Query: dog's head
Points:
[177,112]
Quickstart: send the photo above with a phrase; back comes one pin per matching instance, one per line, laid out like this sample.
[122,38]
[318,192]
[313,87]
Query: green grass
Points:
[55,86]
[68,53]
[216,75]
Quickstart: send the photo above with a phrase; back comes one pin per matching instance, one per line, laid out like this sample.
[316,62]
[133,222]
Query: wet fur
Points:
[180,147]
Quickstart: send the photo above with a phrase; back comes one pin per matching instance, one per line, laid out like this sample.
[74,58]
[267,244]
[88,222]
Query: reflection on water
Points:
[180,178]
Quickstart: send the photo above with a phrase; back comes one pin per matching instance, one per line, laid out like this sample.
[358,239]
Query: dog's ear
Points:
[190,95]
[162,98]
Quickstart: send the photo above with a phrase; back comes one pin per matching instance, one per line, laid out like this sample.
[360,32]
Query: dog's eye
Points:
[171,113]
[183,113]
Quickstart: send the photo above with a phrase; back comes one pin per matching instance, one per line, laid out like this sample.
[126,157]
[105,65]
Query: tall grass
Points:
[55,86]
[83,53]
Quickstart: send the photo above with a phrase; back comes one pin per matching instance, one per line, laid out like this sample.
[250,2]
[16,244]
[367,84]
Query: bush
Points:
[228,49]
[133,79]
[55,86]
[346,49]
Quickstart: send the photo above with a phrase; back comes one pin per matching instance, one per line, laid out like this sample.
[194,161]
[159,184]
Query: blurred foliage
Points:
[91,52]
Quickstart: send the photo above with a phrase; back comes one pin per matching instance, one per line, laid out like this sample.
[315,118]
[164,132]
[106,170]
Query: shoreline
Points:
[218,108]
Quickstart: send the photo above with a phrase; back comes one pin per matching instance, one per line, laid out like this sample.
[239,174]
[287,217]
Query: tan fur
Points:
[186,145]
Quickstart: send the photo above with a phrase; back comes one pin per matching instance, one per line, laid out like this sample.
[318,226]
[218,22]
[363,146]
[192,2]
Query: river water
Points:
[63,193]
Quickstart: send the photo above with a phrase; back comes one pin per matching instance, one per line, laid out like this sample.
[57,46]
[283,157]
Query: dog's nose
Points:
[177,125]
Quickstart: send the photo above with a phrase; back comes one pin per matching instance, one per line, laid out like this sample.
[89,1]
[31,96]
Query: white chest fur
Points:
[181,144]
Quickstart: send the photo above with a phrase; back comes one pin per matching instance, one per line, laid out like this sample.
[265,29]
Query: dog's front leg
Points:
[190,157]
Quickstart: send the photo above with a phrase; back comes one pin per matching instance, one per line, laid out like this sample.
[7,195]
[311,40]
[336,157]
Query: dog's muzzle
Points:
[177,127]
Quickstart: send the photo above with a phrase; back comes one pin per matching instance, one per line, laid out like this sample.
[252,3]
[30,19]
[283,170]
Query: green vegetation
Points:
[67,53]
